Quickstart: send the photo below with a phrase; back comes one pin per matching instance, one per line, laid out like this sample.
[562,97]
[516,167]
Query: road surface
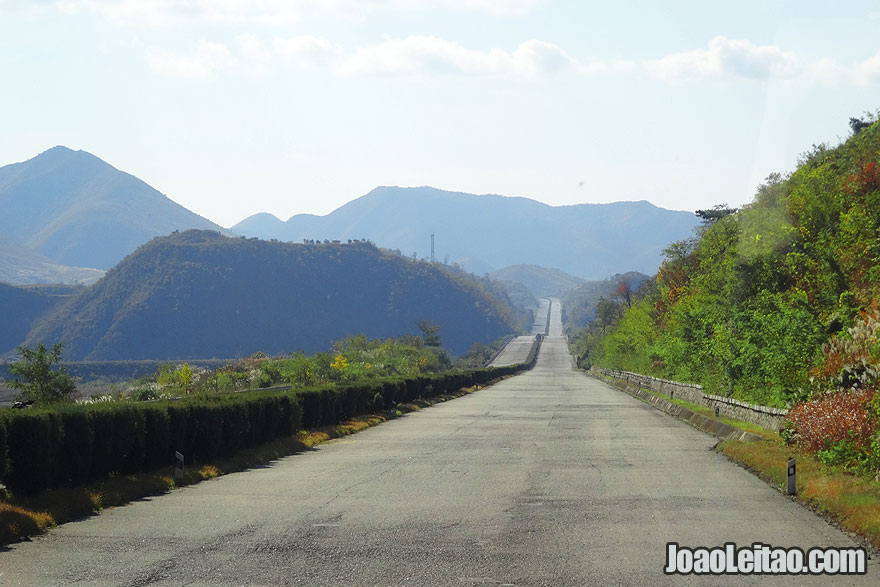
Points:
[517,350]
[547,478]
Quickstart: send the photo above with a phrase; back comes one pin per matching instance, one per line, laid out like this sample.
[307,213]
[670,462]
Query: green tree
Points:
[429,333]
[175,381]
[38,380]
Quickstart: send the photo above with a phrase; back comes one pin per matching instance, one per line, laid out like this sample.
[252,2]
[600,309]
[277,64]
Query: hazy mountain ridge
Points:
[542,282]
[198,294]
[587,240]
[21,265]
[78,210]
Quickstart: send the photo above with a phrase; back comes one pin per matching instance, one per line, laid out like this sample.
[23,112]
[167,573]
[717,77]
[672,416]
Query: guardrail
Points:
[547,321]
[764,416]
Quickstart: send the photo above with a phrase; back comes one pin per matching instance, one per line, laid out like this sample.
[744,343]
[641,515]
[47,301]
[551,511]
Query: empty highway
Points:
[547,478]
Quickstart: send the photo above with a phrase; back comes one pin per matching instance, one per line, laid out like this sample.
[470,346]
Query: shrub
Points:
[32,445]
[840,427]
[853,360]
[74,444]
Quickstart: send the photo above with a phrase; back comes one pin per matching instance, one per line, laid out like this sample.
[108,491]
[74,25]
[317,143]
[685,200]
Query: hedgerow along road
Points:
[546,478]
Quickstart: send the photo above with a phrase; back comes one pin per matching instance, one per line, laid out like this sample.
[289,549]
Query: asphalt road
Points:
[547,478]
[517,350]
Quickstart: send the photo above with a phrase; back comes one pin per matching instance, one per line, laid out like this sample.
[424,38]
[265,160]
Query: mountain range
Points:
[69,217]
[78,213]
[22,265]
[591,241]
[78,210]
[540,281]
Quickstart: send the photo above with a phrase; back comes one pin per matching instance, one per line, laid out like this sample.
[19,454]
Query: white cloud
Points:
[208,58]
[247,55]
[419,56]
[726,58]
[539,57]
[867,71]
[307,51]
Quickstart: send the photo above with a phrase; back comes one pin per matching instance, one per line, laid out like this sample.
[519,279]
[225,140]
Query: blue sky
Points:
[235,107]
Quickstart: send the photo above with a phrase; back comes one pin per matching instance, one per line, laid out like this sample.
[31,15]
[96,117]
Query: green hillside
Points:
[198,294]
[760,305]
[21,307]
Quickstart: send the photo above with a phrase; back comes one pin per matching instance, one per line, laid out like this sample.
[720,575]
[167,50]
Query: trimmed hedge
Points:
[67,445]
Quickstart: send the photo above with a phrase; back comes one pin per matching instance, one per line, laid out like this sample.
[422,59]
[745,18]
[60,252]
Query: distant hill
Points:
[21,265]
[592,241]
[198,294]
[21,307]
[579,304]
[541,281]
[78,210]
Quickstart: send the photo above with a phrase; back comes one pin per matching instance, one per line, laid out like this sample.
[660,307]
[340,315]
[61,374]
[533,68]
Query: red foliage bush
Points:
[844,415]
[866,179]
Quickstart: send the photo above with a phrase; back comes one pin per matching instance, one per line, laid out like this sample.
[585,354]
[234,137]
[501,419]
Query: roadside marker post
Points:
[791,488]
[178,465]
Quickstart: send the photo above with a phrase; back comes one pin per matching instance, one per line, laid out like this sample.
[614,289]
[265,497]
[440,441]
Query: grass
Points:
[22,517]
[853,502]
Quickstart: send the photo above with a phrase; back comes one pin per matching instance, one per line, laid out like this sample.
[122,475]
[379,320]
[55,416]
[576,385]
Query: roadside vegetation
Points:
[851,501]
[775,303]
[61,459]
[29,515]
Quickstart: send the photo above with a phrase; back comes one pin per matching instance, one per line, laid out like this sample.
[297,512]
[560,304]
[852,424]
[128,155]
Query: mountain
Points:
[262,223]
[78,210]
[199,294]
[21,265]
[592,241]
[21,307]
[541,281]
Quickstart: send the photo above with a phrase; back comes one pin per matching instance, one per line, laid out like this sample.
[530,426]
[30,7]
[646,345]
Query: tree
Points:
[606,313]
[858,124]
[624,292]
[175,381]
[39,382]
[717,212]
[429,333]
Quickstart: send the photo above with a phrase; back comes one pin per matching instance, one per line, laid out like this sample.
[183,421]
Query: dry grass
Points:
[29,516]
[850,500]
[16,522]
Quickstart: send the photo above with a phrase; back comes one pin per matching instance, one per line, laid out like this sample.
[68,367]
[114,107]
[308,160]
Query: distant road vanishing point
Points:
[547,478]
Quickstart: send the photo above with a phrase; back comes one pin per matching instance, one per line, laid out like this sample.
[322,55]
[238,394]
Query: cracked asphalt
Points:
[547,478]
